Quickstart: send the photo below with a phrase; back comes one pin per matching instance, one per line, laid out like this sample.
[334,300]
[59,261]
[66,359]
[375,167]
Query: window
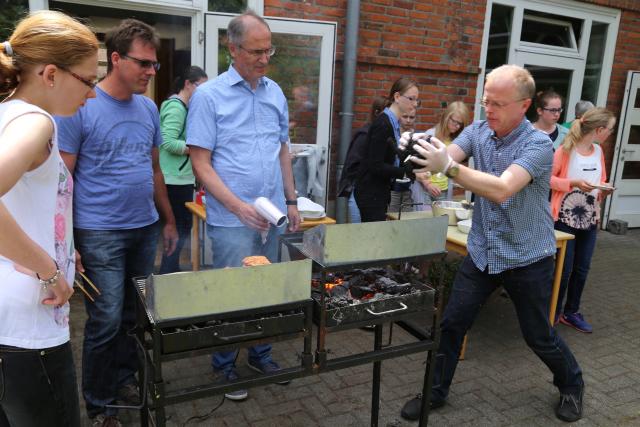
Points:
[12,12]
[551,30]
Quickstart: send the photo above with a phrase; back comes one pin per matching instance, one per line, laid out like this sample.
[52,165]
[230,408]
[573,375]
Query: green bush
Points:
[11,11]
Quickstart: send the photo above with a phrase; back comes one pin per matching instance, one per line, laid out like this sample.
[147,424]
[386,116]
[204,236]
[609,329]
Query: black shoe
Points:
[411,409]
[570,407]
[129,395]
[223,377]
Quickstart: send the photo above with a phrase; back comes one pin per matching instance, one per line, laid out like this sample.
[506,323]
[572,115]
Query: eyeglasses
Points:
[259,52]
[456,122]
[553,110]
[498,105]
[88,83]
[144,63]
[413,99]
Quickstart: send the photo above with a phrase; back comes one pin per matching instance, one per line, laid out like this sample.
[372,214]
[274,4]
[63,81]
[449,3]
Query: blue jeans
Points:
[529,288]
[354,212]
[38,387]
[178,196]
[111,259]
[577,261]
[230,245]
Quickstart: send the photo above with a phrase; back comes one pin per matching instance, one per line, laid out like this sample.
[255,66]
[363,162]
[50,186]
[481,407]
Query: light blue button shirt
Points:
[519,231]
[244,129]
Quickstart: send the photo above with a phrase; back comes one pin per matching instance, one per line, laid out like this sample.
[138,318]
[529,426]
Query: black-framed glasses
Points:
[413,99]
[88,83]
[498,105]
[144,63]
[456,122]
[553,110]
[259,52]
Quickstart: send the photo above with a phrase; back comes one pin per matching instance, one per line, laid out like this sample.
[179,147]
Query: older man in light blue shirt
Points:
[237,131]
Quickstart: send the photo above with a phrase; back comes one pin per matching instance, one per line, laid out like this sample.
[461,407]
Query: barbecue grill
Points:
[367,266]
[186,314]
[343,248]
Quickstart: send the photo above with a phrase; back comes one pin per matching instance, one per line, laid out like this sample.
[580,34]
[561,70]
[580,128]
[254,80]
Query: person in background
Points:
[428,188]
[549,108]
[111,147]
[582,107]
[578,167]
[174,159]
[511,242]
[381,166]
[407,121]
[48,66]
[353,162]
[240,154]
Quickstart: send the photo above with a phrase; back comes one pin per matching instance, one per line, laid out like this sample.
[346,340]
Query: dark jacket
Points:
[373,185]
[352,164]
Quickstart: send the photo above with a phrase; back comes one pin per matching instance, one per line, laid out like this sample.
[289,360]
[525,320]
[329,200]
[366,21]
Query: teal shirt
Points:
[173,116]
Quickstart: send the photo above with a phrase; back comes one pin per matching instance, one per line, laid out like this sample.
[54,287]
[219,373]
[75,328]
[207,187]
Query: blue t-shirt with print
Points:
[113,176]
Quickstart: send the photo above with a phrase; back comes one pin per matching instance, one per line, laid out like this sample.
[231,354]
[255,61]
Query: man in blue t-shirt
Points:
[237,132]
[111,147]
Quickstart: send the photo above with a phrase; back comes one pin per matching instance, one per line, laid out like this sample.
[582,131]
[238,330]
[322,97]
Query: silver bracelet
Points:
[52,281]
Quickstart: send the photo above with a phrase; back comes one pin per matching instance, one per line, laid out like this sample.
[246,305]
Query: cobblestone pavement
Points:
[500,383]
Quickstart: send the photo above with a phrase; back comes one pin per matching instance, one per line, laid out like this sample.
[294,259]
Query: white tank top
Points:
[41,203]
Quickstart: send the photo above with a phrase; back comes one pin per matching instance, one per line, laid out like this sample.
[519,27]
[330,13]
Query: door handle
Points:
[627,151]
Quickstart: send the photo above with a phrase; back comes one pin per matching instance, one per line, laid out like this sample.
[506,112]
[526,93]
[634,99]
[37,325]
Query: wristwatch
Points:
[453,170]
[291,202]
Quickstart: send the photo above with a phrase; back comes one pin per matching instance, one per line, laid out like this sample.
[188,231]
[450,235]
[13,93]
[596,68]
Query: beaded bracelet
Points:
[52,281]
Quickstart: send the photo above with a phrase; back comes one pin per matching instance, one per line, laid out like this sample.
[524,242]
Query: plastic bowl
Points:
[451,209]
[464,226]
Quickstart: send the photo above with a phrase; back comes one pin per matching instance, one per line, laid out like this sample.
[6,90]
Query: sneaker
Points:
[576,321]
[411,409]
[223,377]
[269,367]
[129,395]
[570,407]
[102,420]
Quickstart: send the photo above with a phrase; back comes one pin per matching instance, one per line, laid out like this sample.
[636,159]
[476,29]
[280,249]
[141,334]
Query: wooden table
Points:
[457,242]
[200,216]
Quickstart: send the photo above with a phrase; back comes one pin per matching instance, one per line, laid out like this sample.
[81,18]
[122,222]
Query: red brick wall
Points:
[437,43]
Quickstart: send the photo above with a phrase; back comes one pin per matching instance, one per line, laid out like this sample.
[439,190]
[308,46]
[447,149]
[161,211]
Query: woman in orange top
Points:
[578,184]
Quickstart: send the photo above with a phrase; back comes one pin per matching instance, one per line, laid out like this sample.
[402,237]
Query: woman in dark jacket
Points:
[382,167]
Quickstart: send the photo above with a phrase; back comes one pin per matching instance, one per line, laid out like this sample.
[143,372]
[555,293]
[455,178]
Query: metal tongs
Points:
[83,289]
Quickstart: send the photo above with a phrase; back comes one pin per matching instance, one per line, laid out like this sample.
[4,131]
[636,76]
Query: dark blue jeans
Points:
[577,261]
[230,245]
[178,196]
[111,259]
[529,288]
[38,387]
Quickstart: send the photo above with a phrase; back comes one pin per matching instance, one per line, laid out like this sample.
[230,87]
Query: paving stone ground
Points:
[501,382]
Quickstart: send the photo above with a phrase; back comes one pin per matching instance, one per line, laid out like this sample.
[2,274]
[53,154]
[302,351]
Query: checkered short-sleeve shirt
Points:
[519,231]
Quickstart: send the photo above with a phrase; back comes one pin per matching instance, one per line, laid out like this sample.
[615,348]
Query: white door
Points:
[564,75]
[624,204]
[303,67]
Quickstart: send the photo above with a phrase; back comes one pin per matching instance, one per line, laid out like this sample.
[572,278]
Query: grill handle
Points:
[240,336]
[404,307]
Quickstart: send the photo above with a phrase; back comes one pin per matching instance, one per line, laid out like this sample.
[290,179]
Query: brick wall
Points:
[437,43]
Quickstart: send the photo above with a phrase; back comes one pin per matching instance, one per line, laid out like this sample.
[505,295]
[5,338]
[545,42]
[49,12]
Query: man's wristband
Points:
[53,280]
[291,202]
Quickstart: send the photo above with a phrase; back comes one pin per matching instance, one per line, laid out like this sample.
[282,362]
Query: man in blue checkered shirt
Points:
[511,242]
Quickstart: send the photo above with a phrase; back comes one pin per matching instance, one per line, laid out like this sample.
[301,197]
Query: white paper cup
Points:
[269,211]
